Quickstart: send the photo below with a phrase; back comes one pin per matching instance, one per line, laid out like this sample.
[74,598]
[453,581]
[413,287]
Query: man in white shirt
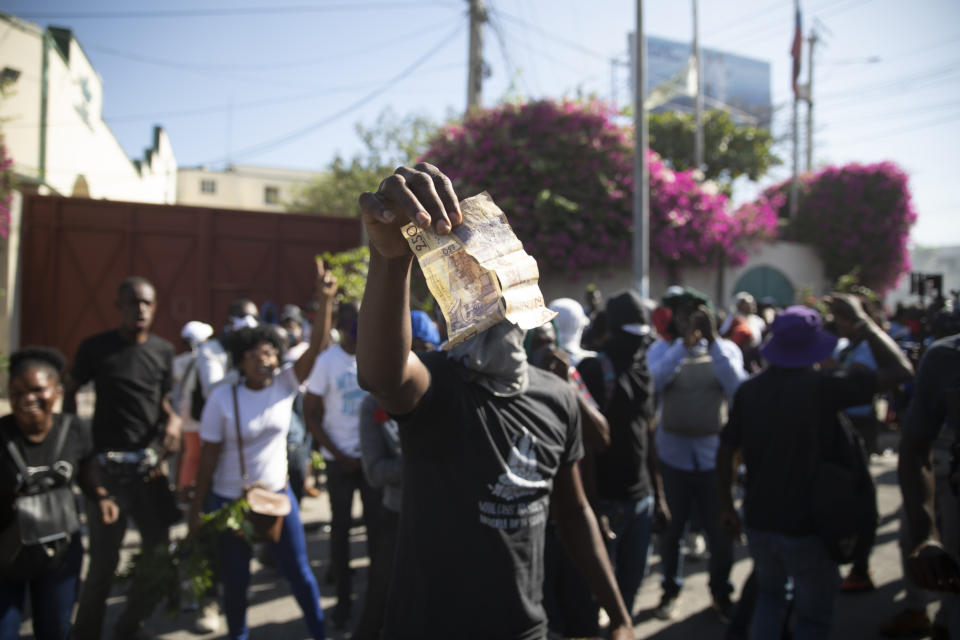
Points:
[332,411]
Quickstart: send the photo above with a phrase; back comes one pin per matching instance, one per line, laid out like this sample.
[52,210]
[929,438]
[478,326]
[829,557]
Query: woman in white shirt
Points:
[264,398]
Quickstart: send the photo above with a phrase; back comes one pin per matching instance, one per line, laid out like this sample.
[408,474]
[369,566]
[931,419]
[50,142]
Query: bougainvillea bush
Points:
[858,217]
[562,171]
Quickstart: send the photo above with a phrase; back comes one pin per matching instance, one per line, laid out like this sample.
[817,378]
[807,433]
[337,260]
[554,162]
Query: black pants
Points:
[341,486]
[381,571]
[137,500]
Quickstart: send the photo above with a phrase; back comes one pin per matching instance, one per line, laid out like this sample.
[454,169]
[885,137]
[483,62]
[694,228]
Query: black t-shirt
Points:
[477,476]
[77,449]
[131,380]
[622,470]
[773,419]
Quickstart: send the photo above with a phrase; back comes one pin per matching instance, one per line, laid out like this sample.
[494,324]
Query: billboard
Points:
[731,82]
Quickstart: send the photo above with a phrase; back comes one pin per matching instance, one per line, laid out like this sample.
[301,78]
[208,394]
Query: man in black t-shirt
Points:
[628,481]
[782,420]
[134,428]
[489,449]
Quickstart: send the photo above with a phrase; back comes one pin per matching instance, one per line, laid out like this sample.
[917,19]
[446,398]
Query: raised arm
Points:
[893,366]
[325,288]
[385,365]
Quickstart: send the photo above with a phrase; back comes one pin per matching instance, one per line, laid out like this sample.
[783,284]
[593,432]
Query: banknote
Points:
[479,273]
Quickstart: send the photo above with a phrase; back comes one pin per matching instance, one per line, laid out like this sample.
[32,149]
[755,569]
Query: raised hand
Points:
[421,195]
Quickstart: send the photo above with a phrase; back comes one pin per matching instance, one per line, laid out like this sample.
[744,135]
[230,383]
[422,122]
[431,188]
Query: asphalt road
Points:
[273,614]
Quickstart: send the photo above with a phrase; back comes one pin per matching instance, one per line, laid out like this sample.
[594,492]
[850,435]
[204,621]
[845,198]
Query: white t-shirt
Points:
[334,376]
[264,423]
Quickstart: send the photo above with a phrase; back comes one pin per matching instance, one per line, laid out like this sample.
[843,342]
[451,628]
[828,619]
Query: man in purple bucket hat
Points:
[782,420]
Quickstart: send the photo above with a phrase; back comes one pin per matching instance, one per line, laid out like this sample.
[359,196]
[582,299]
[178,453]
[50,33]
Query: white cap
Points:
[196,332]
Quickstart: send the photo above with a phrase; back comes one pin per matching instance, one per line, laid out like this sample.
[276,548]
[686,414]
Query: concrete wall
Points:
[241,187]
[799,263]
[21,48]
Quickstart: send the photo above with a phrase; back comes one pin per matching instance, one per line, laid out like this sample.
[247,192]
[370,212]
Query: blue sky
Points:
[285,87]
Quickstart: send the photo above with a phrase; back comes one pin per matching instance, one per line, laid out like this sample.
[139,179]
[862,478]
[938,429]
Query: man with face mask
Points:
[489,445]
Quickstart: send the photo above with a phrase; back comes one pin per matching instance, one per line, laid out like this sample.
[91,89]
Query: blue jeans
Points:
[683,489]
[51,599]
[291,556]
[631,521]
[777,558]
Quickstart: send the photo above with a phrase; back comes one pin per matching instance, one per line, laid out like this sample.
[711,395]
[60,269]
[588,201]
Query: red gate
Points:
[76,251]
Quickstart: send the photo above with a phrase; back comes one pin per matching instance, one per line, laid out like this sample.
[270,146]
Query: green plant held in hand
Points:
[155,574]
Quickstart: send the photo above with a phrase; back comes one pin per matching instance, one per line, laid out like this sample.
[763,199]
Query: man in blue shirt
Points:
[695,377]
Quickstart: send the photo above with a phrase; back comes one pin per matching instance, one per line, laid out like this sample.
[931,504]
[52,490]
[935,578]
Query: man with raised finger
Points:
[489,445]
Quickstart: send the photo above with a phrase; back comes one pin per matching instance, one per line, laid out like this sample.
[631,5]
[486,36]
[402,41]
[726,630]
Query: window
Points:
[271,195]
[208,186]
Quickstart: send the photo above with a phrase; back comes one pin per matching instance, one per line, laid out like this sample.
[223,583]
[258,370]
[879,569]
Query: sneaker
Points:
[907,623]
[857,583]
[724,608]
[666,609]
[208,618]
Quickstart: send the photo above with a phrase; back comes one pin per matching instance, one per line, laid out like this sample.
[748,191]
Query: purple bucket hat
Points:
[798,339]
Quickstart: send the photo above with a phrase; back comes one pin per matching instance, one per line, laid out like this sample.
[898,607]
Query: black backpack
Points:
[45,516]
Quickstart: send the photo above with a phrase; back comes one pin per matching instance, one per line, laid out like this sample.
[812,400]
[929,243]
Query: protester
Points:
[134,429]
[784,420]
[332,410]
[935,404]
[854,352]
[571,322]
[193,334]
[695,376]
[628,481]
[244,429]
[486,441]
[382,466]
[43,452]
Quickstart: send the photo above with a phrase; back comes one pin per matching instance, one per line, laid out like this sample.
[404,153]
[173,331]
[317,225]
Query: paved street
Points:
[274,614]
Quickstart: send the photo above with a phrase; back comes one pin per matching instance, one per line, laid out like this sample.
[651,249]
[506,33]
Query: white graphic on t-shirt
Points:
[520,479]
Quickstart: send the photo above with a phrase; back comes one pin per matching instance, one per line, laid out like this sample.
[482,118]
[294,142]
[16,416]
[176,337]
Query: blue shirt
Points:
[861,355]
[681,452]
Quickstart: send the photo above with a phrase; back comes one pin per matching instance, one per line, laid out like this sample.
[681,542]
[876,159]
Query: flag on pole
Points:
[796,49]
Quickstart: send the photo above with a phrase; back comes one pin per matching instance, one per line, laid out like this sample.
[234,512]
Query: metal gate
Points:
[75,252]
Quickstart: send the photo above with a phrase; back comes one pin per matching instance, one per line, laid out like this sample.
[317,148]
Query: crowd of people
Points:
[513,485]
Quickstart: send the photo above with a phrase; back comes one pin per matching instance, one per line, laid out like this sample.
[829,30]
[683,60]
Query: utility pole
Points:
[813,41]
[698,133]
[478,15]
[794,183]
[641,184]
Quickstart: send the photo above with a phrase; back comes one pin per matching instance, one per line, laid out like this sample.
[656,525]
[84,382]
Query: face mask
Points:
[495,359]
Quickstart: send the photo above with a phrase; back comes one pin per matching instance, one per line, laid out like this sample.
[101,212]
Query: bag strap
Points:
[62,436]
[236,422]
[18,459]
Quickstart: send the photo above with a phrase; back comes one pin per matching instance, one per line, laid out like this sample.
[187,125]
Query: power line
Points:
[554,37]
[289,64]
[200,111]
[512,69]
[267,145]
[891,132]
[229,11]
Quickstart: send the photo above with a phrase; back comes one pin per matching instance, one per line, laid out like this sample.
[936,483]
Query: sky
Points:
[284,83]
